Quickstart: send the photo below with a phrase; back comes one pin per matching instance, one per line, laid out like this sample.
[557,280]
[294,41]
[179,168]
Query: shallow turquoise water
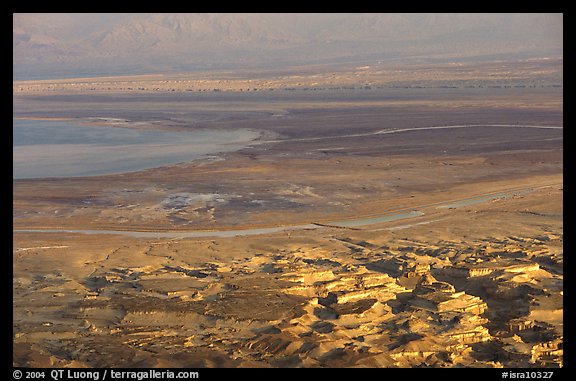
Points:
[481,199]
[376,220]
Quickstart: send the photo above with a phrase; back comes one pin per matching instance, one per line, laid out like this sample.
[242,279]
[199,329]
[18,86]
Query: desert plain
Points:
[384,216]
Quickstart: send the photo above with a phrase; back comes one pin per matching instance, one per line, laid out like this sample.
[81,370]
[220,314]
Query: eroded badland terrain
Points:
[389,243]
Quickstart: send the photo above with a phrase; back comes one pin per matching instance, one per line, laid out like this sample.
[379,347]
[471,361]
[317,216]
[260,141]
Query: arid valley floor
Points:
[383,218]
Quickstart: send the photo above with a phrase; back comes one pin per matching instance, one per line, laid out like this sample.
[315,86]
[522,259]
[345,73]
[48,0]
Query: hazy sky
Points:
[60,44]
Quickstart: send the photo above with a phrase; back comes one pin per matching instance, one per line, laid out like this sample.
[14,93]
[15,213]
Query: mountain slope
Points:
[45,43]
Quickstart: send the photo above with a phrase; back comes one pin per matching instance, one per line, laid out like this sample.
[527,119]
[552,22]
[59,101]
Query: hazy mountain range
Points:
[61,45]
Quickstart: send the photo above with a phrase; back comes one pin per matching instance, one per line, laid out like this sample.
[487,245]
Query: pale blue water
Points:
[43,148]
[482,199]
[233,233]
[178,234]
[376,220]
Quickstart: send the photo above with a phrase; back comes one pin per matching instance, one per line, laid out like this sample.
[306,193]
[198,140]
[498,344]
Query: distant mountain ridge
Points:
[56,44]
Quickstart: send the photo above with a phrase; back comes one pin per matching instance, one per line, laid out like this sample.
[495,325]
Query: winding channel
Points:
[398,130]
[396,215]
